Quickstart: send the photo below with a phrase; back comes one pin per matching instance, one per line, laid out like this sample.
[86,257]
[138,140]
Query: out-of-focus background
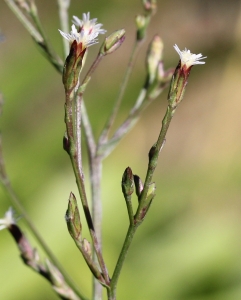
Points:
[189,246]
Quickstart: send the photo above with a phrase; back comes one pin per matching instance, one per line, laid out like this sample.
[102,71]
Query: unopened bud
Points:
[127,182]
[66,143]
[113,42]
[138,185]
[72,218]
[149,197]
[151,192]
[73,65]
[162,75]
[33,8]
[23,4]
[150,6]
[141,24]
[154,56]
[87,247]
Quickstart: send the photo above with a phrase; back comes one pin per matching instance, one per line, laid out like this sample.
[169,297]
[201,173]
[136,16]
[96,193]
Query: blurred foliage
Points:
[189,246]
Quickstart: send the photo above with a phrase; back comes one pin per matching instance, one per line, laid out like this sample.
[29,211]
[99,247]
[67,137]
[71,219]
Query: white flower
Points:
[8,219]
[189,59]
[86,32]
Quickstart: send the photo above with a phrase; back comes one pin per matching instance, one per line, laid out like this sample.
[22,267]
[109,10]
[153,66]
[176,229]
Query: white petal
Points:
[86,32]
[8,219]
[189,59]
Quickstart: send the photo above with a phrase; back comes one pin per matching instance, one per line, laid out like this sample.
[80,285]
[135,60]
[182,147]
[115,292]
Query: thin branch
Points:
[72,133]
[26,23]
[64,22]
[139,216]
[91,145]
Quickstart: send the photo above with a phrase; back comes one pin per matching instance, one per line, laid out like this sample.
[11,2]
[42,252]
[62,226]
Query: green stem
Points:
[95,179]
[153,159]
[133,227]
[91,70]
[46,46]
[74,133]
[129,237]
[37,34]
[20,15]
[64,22]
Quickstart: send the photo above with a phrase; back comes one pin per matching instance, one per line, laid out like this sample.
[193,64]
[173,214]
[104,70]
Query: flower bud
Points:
[154,56]
[23,4]
[127,182]
[66,143]
[147,202]
[33,8]
[181,74]
[141,24]
[87,247]
[73,65]
[113,42]
[150,6]
[72,218]
[138,185]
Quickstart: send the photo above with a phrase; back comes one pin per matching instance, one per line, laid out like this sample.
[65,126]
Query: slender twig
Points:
[73,132]
[46,45]
[64,22]
[116,106]
[91,145]
[93,67]
[77,132]
[37,34]
[133,227]
[114,280]
[142,102]
[95,177]
[153,158]
[95,167]
[26,23]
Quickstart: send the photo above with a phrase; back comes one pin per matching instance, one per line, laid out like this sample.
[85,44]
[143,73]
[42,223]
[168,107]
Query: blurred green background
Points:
[189,246]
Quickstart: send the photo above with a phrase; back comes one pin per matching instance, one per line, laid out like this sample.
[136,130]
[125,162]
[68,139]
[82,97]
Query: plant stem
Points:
[95,166]
[74,133]
[153,158]
[95,179]
[133,227]
[129,237]
[26,23]
[37,34]
[64,22]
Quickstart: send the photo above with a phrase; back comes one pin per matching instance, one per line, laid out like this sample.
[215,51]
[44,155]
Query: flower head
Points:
[189,59]
[86,32]
[8,219]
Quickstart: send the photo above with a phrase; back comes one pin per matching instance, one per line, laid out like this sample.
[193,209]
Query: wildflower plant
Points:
[84,33]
